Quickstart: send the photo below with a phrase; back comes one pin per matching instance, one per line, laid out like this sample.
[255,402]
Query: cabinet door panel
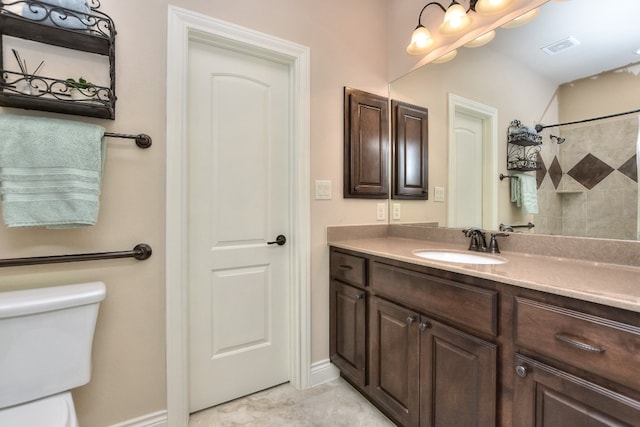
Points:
[410,151]
[395,352]
[548,397]
[458,378]
[348,331]
[366,145]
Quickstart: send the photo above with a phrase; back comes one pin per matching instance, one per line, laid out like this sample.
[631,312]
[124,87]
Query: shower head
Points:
[557,138]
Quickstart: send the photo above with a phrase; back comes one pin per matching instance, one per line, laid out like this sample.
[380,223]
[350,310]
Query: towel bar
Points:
[142,140]
[503,176]
[141,252]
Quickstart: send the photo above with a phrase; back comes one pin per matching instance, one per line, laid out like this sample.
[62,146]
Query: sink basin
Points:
[459,257]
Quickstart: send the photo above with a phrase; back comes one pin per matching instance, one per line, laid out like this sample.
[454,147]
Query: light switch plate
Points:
[323,190]
[439,194]
[396,213]
[380,211]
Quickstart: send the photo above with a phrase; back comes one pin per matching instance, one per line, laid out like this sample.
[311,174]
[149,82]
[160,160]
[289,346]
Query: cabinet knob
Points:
[360,295]
[424,326]
[410,320]
[521,371]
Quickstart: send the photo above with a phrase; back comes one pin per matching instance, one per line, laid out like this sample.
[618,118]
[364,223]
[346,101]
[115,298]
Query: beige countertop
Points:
[609,284]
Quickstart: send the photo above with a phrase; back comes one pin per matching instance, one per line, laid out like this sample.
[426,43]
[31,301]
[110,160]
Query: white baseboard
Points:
[323,371]
[157,419]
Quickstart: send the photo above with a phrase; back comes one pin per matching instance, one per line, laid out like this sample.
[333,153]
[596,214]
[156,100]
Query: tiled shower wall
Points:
[588,186]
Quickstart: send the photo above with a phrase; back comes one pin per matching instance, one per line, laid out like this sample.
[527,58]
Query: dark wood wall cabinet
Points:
[410,151]
[366,145]
[434,348]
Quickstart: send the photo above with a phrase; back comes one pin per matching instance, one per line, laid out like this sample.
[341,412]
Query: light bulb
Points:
[487,7]
[421,41]
[482,40]
[455,21]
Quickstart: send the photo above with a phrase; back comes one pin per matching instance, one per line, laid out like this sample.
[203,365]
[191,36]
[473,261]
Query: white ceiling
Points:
[608,32]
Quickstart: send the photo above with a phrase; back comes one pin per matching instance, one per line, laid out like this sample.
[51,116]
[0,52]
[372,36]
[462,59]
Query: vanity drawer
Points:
[604,347]
[348,268]
[463,304]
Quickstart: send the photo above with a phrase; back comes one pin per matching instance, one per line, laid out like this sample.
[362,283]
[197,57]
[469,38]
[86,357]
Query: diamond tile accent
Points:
[590,171]
[630,168]
[540,173]
[555,172]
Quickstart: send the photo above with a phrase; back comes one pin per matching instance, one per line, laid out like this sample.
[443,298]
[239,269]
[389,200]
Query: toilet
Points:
[46,336]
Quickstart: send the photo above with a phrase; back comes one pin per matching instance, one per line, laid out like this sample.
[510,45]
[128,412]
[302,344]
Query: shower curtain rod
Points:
[540,127]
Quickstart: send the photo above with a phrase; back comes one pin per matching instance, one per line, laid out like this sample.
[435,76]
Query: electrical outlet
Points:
[439,194]
[396,211]
[380,211]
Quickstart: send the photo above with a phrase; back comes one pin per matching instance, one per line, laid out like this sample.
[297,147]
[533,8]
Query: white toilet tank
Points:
[46,336]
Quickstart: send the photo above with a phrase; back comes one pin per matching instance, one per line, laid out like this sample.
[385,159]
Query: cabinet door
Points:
[366,145]
[348,331]
[549,397]
[457,378]
[410,151]
[395,354]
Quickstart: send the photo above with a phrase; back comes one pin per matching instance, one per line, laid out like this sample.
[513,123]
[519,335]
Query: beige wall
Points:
[129,347]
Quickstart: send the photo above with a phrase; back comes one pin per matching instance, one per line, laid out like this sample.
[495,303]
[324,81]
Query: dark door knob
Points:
[280,240]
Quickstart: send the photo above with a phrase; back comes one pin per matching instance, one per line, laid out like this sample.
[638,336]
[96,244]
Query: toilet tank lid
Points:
[30,301]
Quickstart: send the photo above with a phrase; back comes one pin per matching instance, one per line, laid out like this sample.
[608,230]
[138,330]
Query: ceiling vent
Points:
[560,46]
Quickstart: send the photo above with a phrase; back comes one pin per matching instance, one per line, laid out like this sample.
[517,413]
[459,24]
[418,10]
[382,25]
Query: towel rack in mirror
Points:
[141,252]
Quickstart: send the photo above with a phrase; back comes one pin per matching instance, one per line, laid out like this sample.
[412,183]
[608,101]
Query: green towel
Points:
[50,171]
[524,192]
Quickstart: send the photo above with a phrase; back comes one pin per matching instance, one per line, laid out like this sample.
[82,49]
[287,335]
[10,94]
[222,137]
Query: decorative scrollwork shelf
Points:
[91,32]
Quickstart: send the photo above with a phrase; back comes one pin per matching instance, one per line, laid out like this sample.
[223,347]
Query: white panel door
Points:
[468,171]
[239,110]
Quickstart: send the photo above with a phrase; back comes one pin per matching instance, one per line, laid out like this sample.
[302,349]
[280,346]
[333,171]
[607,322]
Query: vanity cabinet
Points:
[425,373]
[348,304]
[450,349]
[366,145]
[602,348]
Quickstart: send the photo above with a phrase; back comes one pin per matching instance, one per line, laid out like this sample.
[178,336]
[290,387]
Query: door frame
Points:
[489,117]
[184,25]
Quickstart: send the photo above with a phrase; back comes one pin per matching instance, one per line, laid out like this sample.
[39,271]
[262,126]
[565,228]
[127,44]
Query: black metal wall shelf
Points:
[523,146]
[51,94]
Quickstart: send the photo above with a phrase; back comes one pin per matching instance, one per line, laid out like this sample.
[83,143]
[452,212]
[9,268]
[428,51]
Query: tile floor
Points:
[334,404]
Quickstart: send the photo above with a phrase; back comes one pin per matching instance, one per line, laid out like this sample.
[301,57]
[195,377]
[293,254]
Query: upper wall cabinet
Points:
[76,26]
[366,145]
[410,151]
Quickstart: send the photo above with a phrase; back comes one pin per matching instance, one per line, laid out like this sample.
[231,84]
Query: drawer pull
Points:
[575,342]
[345,267]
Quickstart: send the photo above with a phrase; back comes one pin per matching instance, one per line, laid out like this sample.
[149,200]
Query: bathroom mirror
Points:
[514,77]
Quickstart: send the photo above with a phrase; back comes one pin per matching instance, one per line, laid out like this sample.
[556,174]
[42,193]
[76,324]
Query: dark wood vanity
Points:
[431,347]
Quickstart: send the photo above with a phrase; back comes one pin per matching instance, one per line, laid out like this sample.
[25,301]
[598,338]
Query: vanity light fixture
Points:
[456,20]
[446,57]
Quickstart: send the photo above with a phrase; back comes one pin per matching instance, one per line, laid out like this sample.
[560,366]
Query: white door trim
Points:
[183,25]
[489,117]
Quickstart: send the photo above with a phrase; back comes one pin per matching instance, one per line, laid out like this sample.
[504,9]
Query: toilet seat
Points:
[53,411]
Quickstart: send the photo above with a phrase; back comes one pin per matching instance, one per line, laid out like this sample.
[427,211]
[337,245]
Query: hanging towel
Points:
[524,192]
[50,171]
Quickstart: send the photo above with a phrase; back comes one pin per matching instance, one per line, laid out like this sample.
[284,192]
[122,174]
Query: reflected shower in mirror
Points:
[595,166]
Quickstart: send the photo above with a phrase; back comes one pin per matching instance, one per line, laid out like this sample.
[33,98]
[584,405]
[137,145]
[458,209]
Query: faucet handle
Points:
[493,244]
